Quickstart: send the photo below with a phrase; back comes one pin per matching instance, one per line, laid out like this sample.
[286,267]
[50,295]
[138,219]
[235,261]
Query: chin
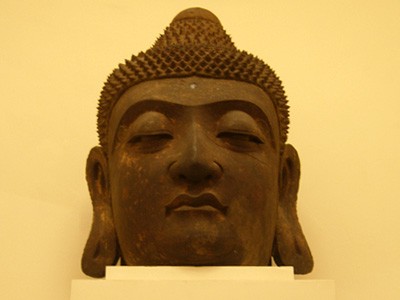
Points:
[184,240]
[200,240]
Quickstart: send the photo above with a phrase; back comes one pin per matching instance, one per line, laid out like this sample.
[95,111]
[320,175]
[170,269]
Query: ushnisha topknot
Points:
[194,44]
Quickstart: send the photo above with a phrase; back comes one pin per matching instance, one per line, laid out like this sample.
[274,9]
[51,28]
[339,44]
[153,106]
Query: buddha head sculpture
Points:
[193,166]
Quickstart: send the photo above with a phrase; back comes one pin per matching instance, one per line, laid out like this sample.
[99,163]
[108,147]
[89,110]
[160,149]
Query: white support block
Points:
[200,283]
[199,273]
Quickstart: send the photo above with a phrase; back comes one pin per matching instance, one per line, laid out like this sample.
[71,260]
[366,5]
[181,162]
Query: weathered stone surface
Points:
[193,166]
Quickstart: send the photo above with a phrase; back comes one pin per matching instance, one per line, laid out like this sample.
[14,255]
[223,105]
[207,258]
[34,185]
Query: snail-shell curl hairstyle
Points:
[195,44]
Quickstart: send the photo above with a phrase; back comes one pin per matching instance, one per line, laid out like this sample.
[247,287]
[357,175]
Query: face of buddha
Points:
[194,170]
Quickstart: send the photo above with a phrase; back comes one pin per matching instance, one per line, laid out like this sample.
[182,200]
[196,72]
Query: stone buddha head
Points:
[193,166]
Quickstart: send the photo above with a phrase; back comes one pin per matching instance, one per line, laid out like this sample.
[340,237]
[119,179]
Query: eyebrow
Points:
[171,109]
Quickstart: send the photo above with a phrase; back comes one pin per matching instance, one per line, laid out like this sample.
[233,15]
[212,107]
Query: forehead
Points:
[193,91]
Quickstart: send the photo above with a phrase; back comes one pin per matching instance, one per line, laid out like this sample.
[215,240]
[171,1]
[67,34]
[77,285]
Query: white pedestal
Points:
[201,283]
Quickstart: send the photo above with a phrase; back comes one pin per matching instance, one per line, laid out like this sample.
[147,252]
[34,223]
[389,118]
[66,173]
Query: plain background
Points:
[340,65]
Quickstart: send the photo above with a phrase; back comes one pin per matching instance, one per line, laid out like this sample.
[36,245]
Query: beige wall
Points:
[340,64]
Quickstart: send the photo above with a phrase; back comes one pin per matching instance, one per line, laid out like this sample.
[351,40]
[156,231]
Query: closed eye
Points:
[148,138]
[239,137]
[150,143]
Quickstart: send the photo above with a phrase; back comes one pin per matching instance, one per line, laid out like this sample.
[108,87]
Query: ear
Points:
[290,245]
[101,247]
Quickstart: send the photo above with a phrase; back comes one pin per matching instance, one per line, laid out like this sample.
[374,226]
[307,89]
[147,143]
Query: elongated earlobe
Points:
[290,245]
[101,247]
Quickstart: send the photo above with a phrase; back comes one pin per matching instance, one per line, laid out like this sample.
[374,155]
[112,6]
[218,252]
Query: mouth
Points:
[205,202]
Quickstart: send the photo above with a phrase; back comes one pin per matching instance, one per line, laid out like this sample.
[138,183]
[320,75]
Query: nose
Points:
[197,162]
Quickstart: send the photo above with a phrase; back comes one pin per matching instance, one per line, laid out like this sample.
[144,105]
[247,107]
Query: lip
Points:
[204,202]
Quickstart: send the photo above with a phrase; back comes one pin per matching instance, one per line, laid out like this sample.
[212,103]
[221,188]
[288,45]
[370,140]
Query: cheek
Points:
[138,187]
[253,193]
[128,173]
[253,189]
[126,176]
[251,175]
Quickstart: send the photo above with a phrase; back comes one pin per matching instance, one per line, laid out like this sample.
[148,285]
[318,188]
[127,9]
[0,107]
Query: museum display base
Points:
[195,283]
